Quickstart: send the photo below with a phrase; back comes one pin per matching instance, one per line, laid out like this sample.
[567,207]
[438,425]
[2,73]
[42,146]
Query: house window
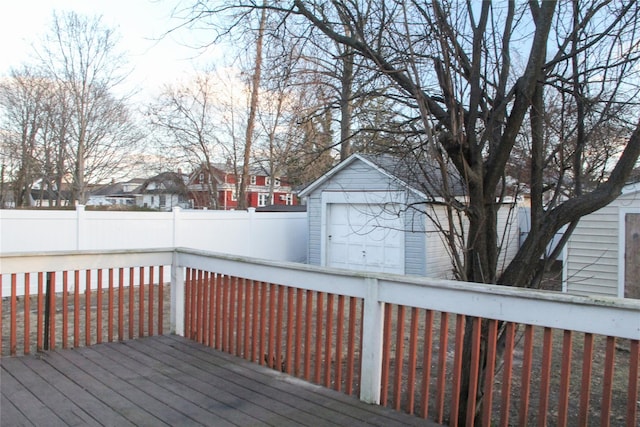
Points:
[201,178]
[267,181]
[289,199]
[163,200]
[276,182]
[253,180]
[263,199]
[234,196]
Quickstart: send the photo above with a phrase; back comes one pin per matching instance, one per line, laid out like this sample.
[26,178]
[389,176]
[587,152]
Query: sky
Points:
[140,24]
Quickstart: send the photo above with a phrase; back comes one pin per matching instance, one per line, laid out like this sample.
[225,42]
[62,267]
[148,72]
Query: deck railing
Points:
[392,340]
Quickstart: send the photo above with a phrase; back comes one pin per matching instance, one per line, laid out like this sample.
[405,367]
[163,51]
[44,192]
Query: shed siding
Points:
[362,178]
[415,242]
[592,257]
[424,249]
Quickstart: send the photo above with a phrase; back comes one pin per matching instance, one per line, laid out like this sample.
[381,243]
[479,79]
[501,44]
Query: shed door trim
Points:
[622,233]
[353,197]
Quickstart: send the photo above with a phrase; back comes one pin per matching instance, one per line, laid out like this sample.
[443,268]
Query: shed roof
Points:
[417,175]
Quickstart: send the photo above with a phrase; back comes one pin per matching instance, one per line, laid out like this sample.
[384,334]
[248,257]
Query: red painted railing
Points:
[546,377]
[312,335]
[398,341]
[535,375]
[80,308]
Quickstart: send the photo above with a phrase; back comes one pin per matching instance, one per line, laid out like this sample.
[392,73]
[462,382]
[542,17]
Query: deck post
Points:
[372,336]
[177,296]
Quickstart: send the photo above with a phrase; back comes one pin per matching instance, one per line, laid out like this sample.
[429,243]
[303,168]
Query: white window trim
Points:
[263,199]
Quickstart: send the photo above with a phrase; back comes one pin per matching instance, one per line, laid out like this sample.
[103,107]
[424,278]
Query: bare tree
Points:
[187,115]
[475,79]
[24,98]
[81,54]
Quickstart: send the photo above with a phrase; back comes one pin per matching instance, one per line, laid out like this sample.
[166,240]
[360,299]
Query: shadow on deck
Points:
[169,380]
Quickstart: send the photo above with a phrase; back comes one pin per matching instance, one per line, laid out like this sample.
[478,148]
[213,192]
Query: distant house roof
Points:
[282,208]
[418,175]
[165,183]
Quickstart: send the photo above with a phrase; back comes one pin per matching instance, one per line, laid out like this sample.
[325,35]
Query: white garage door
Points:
[365,237]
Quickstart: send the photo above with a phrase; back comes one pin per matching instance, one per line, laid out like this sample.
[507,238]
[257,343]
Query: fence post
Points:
[372,336]
[250,239]
[80,228]
[177,296]
[176,213]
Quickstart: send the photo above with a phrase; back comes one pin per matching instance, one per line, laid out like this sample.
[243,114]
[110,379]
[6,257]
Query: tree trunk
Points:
[253,107]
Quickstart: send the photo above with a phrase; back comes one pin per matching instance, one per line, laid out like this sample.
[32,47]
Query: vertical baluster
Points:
[255,317]
[308,333]
[141,303]
[110,312]
[76,308]
[239,298]
[14,311]
[131,302]
[225,313]
[442,365]
[426,362]
[271,351]
[87,308]
[526,375]
[413,359]
[51,291]
[151,301]
[475,369]
[505,392]
[339,343]
[99,309]
[545,379]
[457,367]
[161,300]
[351,345]
[632,389]
[231,314]
[607,381]
[212,307]
[386,355]
[319,328]
[40,326]
[565,376]
[263,323]
[397,383]
[291,330]
[279,326]
[120,304]
[248,321]
[27,314]
[65,309]
[299,333]
[205,308]
[328,340]
[197,294]
[219,283]
[492,339]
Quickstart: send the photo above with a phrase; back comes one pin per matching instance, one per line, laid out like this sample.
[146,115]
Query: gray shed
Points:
[378,213]
[602,256]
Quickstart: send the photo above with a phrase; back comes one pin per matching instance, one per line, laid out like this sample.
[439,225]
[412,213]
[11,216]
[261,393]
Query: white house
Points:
[602,256]
[379,213]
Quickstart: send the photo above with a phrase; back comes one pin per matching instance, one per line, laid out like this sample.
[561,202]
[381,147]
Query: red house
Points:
[219,183]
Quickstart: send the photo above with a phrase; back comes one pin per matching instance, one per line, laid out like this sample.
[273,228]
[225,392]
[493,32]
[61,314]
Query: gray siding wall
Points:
[361,177]
[592,252]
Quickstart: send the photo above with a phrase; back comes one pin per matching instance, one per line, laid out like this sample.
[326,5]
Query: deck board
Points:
[168,380]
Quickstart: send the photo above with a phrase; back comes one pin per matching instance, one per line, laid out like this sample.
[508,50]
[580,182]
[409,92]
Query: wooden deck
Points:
[168,380]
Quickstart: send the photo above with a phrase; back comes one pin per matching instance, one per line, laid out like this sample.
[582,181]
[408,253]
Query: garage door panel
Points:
[364,237]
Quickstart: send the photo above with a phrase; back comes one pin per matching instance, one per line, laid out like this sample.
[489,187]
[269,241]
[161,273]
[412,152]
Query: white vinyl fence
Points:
[269,235]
